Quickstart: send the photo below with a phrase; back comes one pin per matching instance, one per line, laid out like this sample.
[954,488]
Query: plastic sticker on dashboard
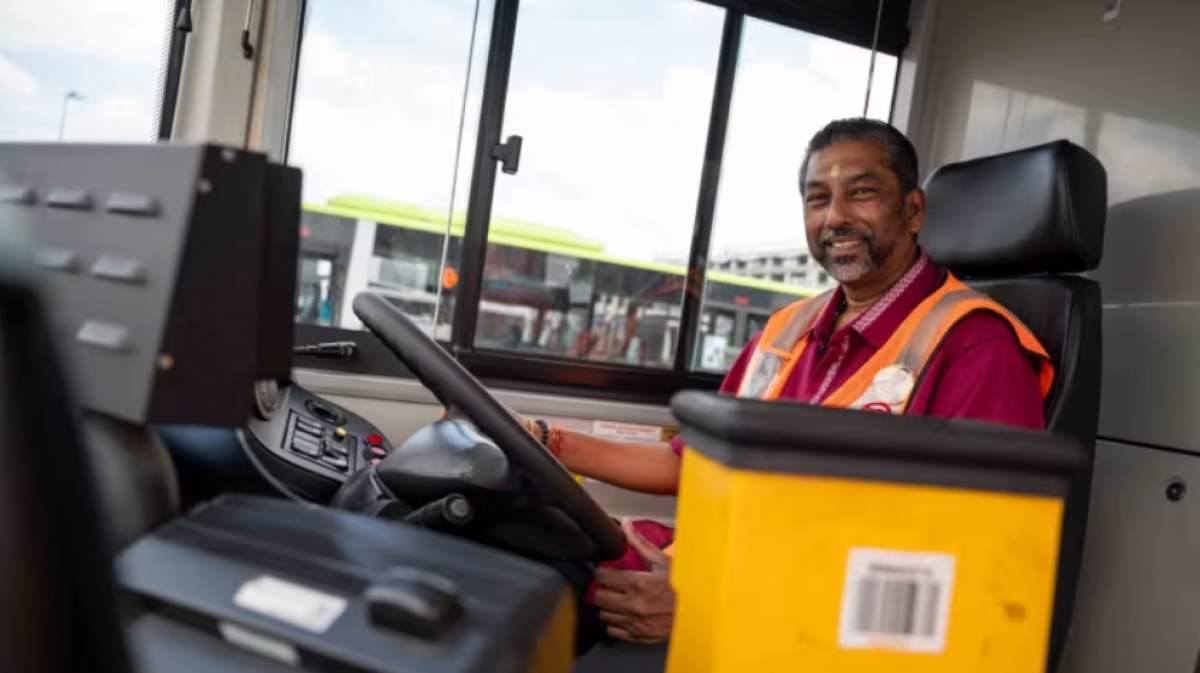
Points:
[297,605]
[630,431]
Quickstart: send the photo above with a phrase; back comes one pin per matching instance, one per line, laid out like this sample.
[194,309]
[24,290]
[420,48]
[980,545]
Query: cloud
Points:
[780,101]
[121,30]
[112,118]
[14,81]
[368,122]
[616,163]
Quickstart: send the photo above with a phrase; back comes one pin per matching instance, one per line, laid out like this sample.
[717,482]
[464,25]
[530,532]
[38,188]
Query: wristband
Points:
[543,432]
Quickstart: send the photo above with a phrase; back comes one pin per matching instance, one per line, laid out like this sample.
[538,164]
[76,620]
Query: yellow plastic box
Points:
[834,541]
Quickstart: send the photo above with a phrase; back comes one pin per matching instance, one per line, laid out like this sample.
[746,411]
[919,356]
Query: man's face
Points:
[858,221]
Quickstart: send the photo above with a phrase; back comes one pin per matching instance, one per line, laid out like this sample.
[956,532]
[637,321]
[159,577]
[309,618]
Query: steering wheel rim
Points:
[454,386]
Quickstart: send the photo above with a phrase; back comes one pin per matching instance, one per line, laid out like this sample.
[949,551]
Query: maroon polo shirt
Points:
[980,372]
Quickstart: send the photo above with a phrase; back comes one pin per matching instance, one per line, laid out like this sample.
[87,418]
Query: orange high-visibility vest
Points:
[885,382]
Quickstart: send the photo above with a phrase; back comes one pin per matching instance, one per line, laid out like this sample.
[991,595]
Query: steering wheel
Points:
[454,387]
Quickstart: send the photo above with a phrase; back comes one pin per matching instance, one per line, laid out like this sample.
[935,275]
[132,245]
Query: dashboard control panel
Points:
[313,445]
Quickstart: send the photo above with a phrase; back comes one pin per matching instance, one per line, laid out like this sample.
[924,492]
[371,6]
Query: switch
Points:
[15,194]
[335,461]
[103,335]
[313,434]
[339,433]
[303,446]
[119,269]
[132,204]
[58,259]
[378,452]
[73,199]
[374,438]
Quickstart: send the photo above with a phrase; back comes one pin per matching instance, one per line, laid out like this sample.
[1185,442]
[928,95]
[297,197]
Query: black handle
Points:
[247,47]
[452,511]
[509,154]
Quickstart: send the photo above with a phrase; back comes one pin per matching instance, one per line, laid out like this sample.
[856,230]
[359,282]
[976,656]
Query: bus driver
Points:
[863,210]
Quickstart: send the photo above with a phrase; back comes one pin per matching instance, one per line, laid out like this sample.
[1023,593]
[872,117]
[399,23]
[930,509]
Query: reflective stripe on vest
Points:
[886,381]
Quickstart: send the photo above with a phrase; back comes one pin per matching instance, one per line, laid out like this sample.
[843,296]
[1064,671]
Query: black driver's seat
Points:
[1016,226]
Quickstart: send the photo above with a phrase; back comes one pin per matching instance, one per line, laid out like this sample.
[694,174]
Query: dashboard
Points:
[294,444]
[309,443]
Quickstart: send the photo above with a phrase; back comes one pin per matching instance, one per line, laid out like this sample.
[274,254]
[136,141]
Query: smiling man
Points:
[898,335]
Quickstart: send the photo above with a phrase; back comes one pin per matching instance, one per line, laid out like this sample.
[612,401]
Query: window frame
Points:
[172,73]
[836,19]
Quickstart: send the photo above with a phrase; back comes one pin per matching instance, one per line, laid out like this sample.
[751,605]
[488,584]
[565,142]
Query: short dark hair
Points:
[898,151]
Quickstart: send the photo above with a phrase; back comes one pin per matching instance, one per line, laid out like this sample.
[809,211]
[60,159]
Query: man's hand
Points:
[639,607]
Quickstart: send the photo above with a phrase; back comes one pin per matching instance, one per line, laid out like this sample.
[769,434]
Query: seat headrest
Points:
[1033,211]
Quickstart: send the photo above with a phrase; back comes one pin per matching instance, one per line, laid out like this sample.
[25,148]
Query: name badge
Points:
[889,390]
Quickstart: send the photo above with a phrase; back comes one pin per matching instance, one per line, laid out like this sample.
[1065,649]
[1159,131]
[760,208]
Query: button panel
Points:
[318,442]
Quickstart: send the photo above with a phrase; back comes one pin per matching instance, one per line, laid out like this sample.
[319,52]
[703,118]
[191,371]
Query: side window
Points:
[589,242]
[789,85]
[383,127]
[81,70]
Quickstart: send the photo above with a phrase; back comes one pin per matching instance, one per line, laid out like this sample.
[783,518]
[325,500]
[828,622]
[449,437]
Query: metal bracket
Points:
[509,154]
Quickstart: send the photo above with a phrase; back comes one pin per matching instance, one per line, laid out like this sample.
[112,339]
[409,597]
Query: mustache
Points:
[830,233]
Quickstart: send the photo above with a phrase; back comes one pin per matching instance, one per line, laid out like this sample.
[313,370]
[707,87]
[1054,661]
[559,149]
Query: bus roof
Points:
[517,234]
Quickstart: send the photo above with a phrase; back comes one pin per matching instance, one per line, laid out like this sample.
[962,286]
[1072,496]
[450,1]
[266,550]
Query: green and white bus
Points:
[546,290]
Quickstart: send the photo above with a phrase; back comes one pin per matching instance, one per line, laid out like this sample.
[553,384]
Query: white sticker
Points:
[896,600]
[297,605]
[610,430]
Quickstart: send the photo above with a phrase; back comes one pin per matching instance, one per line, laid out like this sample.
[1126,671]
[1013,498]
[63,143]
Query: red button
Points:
[376,461]
[378,450]
[374,438]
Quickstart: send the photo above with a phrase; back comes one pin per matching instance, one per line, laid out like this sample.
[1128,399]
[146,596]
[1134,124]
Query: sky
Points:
[612,98]
[108,51]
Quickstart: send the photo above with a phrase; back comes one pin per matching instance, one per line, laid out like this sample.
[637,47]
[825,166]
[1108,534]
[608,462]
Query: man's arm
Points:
[982,373]
[649,467]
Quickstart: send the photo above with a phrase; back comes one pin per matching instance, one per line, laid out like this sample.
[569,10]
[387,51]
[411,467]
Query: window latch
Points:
[247,45]
[509,154]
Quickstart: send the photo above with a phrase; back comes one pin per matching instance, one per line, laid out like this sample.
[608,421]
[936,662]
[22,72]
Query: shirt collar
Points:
[877,324]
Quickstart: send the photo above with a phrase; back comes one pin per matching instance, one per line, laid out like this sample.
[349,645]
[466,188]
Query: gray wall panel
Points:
[1007,75]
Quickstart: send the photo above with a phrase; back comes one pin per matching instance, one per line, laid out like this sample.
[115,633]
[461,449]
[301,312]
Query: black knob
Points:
[414,602]
[1176,490]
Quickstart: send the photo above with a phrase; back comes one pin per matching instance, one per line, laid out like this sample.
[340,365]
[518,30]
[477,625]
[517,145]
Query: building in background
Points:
[791,266]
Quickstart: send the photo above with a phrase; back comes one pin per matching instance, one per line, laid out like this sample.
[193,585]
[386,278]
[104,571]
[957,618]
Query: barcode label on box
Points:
[895,600]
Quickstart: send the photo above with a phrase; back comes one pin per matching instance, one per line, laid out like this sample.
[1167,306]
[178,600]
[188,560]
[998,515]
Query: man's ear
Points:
[914,211]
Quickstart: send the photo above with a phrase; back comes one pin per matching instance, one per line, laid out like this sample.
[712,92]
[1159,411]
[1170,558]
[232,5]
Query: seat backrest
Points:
[1016,226]
[57,592]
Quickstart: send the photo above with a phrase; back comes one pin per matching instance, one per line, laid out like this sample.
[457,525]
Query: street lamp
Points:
[62,123]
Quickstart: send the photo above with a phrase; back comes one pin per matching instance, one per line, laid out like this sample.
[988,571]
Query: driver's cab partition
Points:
[127,240]
[166,266]
[844,541]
